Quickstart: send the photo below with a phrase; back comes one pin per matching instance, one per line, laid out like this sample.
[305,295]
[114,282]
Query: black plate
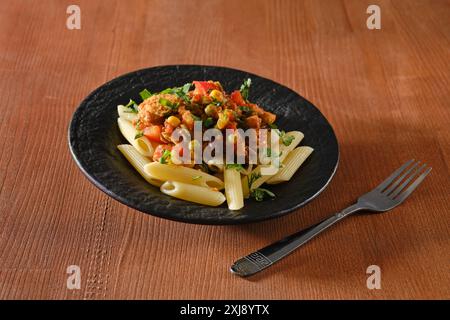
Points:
[94,135]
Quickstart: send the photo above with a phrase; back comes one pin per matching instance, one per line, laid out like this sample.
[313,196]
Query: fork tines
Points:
[399,185]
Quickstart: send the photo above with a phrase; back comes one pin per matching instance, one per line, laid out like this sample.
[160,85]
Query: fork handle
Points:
[265,257]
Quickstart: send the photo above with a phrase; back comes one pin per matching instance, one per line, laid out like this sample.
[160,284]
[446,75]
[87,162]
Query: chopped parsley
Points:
[196,118]
[208,122]
[246,110]
[165,157]
[285,139]
[168,103]
[138,135]
[185,89]
[181,92]
[235,166]
[260,193]
[145,94]
[196,177]
[245,87]
[269,153]
[252,178]
[132,106]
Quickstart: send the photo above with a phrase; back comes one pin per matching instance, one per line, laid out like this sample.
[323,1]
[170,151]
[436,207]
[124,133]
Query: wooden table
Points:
[386,92]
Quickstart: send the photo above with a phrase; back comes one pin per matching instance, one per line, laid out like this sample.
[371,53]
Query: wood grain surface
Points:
[386,93]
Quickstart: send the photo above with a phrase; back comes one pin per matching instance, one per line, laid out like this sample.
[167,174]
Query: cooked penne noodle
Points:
[192,193]
[141,144]
[126,114]
[233,189]
[138,161]
[248,170]
[190,176]
[216,166]
[291,164]
[284,151]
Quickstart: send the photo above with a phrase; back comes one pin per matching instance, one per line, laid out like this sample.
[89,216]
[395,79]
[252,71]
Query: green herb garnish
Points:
[132,106]
[168,103]
[245,87]
[235,166]
[285,139]
[145,94]
[260,193]
[205,167]
[138,135]
[196,177]
[181,92]
[269,153]
[185,89]
[246,110]
[273,126]
[252,178]
[208,122]
[165,157]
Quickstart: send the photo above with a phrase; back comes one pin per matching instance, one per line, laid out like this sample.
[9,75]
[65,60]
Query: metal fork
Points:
[389,194]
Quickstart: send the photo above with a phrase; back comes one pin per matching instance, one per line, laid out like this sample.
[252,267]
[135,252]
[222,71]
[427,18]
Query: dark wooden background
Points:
[386,93]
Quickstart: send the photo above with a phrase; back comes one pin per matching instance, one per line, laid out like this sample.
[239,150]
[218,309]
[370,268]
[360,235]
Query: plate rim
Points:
[222,221]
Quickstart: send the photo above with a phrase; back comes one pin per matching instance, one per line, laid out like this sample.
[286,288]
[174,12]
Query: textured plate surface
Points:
[94,135]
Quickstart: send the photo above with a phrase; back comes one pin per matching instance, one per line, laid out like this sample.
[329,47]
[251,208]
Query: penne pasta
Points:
[138,161]
[216,166]
[233,189]
[192,193]
[178,173]
[142,144]
[284,151]
[291,164]
[248,170]
[125,113]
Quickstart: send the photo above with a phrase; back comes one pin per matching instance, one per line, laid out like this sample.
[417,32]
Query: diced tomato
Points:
[231,125]
[203,87]
[230,115]
[253,122]
[159,151]
[153,133]
[196,98]
[237,98]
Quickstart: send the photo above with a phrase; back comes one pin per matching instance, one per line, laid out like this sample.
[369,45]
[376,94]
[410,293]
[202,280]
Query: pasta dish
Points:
[200,144]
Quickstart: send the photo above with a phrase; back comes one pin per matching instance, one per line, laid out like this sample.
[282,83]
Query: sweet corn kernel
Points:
[222,122]
[173,121]
[210,110]
[216,95]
